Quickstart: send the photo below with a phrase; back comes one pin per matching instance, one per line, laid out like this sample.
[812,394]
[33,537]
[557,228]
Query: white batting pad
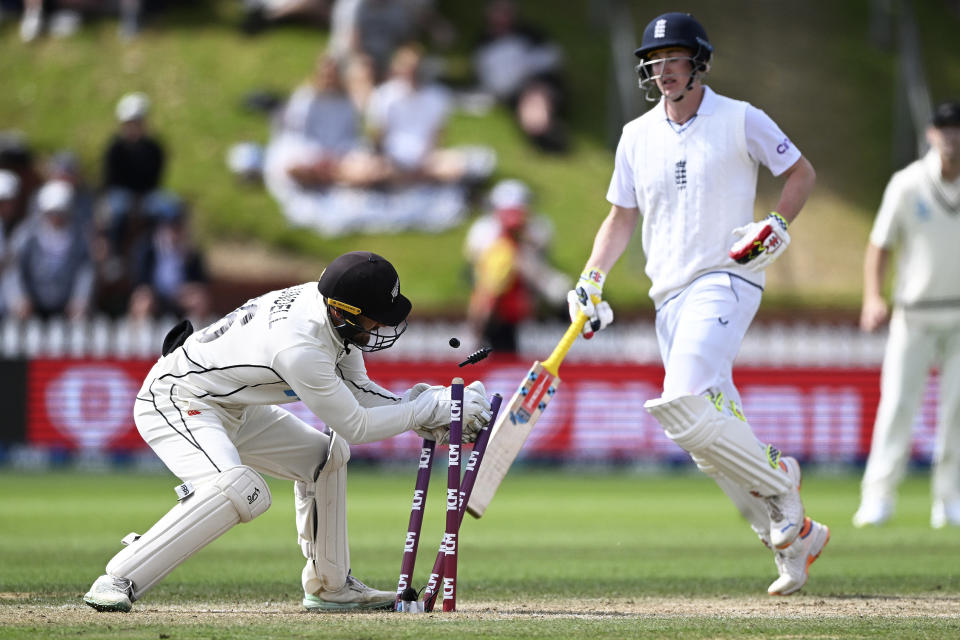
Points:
[751,507]
[719,443]
[236,495]
[322,523]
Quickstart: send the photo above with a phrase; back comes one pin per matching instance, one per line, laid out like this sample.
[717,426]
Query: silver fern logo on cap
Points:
[395,291]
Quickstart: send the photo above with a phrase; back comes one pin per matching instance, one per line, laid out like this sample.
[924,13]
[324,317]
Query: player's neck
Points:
[949,169]
[679,111]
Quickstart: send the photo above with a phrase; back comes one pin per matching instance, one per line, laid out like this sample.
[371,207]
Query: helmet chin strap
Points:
[687,89]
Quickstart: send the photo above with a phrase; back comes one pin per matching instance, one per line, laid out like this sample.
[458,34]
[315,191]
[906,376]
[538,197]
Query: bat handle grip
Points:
[552,364]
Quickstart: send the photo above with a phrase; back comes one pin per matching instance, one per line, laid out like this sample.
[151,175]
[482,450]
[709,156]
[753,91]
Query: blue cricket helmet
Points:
[667,31]
[676,30]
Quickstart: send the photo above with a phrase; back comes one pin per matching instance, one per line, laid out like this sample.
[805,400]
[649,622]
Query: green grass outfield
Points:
[559,555]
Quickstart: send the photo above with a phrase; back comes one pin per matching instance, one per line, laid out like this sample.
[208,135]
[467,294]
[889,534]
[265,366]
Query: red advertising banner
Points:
[821,414]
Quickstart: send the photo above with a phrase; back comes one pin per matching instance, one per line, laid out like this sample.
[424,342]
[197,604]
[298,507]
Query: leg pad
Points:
[236,495]
[721,444]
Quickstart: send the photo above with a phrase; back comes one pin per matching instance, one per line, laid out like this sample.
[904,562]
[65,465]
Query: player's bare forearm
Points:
[613,236]
[874,269]
[874,311]
[797,186]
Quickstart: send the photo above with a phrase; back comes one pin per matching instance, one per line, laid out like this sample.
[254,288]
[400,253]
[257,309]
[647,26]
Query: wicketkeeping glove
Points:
[432,412]
[758,244]
[414,392]
[587,298]
[476,410]
[439,434]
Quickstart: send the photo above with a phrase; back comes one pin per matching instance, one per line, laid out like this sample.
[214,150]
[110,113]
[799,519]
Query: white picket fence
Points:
[800,344]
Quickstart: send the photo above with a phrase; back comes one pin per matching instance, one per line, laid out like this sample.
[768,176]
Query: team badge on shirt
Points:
[680,175]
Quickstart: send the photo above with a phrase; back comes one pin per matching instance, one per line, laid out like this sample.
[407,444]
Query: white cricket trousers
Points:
[913,347]
[197,440]
[700,331]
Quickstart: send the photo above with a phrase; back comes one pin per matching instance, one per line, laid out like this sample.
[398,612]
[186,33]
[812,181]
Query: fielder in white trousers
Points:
[914,346]
[919,222]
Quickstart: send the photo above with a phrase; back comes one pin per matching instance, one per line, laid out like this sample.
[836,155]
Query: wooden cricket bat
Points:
[517,418]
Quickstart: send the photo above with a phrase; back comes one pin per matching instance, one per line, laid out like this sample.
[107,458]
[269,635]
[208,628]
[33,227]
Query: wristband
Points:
[594,276]
[779,218]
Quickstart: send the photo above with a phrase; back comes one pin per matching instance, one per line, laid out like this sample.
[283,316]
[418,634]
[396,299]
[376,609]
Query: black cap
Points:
[363,283]
[947,114]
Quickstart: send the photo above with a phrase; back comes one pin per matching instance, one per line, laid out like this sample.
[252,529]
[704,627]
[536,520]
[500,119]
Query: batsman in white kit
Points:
[208,409]
[688,169]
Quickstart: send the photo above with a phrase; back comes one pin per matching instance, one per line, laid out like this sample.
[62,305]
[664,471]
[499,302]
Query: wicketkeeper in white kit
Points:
[207,408]
[688,168]
[920,217]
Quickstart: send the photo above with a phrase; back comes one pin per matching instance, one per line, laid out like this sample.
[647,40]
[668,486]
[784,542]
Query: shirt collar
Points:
[709,103]
[707,106]
[931,162]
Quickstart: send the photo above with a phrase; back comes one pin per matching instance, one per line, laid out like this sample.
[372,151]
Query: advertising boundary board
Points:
[823,414]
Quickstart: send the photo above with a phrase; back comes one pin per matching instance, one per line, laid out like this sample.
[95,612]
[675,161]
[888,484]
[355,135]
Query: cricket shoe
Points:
[353,595]
[109,593]
[945,513]
[872,513]
[794,562]
[786,509]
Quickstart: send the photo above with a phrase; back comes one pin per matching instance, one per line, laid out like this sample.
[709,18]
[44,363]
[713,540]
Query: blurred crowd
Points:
[120,245]
[357,147]
[64,18]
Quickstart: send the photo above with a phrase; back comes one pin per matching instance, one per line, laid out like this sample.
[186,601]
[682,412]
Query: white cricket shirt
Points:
[693,184]
[920,216]
[276,349]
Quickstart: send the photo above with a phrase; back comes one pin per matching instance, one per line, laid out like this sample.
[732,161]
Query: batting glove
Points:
[758,244]
[586,299]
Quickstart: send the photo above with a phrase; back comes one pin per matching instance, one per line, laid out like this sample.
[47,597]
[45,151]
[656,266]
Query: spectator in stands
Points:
[919,219]
[377,28]
[322,118]
[407,115]
[506,195]
[9,190]
[372,28]
[515,63]
[316,143]
[64,165]
[51,272]
[511,274]
[16,157]
[169,272]
[133,166]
